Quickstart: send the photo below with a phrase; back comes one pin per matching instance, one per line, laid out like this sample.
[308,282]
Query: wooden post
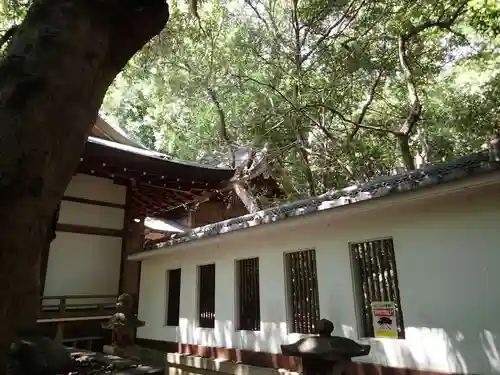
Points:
[60,332]
[133,238]
[44,255]
[62,306]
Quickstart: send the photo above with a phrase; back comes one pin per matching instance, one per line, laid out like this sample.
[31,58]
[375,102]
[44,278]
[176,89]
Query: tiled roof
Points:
[107,130]
[151,154]
[454,170]
[222,159]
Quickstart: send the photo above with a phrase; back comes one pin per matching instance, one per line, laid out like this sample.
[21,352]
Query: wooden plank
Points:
[86,338]
[86,314]
[93,202]
[84,229]
[82,296]
[73,319]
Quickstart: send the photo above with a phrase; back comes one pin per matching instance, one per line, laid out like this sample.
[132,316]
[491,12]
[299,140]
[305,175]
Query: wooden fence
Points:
[76,306]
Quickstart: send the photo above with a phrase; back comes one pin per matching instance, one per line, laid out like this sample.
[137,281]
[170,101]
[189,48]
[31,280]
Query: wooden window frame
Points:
[205,322]
[364,313]
[292,307]
[168,293]
[254,326]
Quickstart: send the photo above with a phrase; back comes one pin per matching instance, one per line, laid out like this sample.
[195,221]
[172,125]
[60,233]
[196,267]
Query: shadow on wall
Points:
[489,346]
[434,349]
[424,348]
[268,339]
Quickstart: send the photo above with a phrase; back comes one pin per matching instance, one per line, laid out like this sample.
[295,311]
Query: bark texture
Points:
[53,77]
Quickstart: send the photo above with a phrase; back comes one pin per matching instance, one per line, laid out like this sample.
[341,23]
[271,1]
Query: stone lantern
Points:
[325,354]
[123,325]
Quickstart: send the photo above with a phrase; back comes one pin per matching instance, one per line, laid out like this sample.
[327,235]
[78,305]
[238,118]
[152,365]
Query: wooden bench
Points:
[72,306]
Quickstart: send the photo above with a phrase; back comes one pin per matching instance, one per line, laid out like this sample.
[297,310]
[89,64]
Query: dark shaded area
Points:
[174,297]
[248,294]
[302,287]
[206,297]
[38,355]
[159,183]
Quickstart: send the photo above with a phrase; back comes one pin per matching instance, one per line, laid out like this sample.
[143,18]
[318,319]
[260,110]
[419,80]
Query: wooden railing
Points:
[77,306]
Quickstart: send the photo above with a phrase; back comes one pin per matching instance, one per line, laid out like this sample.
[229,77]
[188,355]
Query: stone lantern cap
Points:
[325,346]
[124,316]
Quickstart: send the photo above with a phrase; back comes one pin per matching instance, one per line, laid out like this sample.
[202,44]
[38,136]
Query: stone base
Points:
[38,355]
[108,349]
[131,352]
[118,365]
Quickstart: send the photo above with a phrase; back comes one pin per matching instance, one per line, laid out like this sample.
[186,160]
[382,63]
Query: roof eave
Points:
[479,180]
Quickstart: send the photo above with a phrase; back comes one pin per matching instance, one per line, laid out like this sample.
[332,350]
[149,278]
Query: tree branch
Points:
[415,109]
[330,109]
[222,124]
[365,107]
[377,129]
[415,106]
[7,35]
[281,95]
[257,13]
[328,32]
[446,24]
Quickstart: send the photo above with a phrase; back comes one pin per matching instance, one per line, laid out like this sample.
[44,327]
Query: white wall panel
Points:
[447,252]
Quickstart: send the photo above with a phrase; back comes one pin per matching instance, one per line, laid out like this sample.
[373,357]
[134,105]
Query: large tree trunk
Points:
[53,77]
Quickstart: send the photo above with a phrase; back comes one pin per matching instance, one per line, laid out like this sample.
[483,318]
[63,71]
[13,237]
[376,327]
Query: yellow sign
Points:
[384,319]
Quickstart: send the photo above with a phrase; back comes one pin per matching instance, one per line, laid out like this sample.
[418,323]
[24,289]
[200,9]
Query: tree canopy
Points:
[336,91]
[333,92]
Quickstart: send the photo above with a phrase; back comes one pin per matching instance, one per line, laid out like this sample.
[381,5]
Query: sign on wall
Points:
[384,319]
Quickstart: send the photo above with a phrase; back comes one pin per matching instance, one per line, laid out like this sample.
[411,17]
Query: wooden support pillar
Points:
[44,255]
[60,332]
[44,262]
[133,239]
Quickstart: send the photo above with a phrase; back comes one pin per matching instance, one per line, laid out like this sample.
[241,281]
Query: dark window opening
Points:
[173,297]
[206,298]
[302,290]
[375,279]
[248,294]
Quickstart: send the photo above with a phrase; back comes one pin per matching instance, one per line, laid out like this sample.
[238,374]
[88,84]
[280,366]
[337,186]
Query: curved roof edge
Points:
[151,154]
[454,170]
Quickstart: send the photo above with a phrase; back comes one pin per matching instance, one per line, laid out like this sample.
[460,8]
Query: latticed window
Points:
[303,296]
[375,279]
[206,297]
[173,297]
[248,294]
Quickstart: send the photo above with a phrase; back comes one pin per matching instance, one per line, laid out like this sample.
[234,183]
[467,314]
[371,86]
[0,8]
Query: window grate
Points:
[302,290]
[376,279]
[248,294]
[206,298]
[173,297]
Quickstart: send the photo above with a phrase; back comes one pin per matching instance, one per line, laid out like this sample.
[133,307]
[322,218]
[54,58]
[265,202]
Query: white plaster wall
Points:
[83,264]
[96,188]
[447,253]
[91,215]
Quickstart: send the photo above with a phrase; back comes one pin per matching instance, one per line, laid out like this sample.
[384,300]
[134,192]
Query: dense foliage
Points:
[336,91]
